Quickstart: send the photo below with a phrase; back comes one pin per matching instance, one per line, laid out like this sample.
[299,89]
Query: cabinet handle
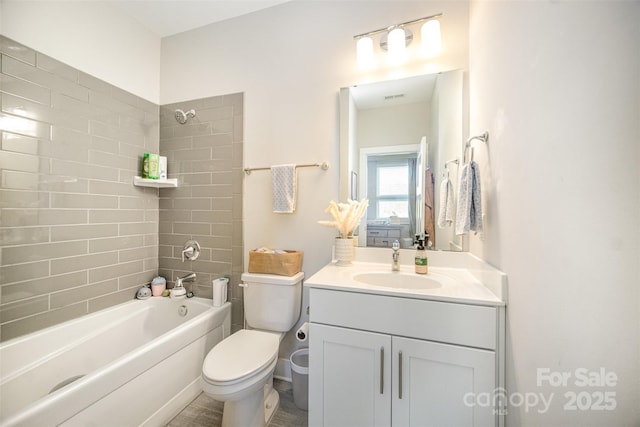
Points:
[381,370]
[400,375]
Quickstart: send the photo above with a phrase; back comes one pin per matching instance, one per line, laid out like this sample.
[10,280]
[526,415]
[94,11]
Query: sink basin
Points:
[396,279]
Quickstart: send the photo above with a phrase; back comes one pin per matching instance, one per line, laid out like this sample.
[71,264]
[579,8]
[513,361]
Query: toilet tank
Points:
[271,302]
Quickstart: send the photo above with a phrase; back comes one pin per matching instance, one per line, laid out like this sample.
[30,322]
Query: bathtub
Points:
[137,363]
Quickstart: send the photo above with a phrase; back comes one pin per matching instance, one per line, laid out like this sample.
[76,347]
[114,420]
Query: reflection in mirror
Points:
[399,141]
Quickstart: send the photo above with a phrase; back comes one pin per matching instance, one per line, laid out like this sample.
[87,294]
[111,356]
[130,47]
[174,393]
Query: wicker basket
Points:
[286,264]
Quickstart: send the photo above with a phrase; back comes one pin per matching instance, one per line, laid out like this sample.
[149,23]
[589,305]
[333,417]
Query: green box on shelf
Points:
[151,166]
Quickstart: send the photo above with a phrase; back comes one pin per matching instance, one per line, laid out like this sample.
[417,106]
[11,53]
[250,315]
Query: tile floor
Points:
[204,411]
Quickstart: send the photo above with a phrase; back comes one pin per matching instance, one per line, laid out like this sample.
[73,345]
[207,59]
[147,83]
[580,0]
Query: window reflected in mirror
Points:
[389,196]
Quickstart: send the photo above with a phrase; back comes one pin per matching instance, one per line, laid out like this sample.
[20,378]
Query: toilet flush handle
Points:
[243,285]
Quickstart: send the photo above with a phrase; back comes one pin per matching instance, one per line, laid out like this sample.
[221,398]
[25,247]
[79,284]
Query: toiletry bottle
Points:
[421,257]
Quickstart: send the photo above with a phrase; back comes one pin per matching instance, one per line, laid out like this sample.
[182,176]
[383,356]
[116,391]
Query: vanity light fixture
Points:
[395,39]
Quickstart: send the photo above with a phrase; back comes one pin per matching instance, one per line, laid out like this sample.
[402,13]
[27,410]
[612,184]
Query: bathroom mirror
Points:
[399,140]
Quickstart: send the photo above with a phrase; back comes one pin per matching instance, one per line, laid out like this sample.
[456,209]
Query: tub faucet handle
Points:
[191,251]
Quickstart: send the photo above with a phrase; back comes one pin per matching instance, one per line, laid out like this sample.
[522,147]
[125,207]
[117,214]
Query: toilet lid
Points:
[240,355]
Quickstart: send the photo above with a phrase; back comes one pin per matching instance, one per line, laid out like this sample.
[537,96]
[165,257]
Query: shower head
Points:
[182,117]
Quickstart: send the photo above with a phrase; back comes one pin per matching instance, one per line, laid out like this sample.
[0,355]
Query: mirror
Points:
[399,140]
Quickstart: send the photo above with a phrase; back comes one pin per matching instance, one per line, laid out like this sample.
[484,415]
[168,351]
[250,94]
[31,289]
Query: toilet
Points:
[239,370]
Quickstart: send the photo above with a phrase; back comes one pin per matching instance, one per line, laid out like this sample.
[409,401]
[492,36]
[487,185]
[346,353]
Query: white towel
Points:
[284,188]
[469,213]
[446,210]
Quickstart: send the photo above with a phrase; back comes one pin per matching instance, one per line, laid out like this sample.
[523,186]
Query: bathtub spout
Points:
[187,278]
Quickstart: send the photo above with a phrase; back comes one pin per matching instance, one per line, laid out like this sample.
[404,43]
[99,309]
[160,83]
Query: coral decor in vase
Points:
[346,217]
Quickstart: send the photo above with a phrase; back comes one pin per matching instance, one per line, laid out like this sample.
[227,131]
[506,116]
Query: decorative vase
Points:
[344,251]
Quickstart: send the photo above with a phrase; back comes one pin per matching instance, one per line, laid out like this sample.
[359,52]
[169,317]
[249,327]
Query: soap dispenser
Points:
[421,261]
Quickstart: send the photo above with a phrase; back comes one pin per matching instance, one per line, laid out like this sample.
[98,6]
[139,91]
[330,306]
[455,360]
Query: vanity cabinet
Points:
[350,379]
[389,361]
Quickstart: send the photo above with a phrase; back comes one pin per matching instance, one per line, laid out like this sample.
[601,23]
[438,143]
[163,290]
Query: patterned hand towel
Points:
[469,213]
[446,210]
[284,188]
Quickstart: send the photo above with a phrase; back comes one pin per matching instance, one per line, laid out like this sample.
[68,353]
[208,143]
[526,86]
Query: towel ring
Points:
[484,137]
[446,165]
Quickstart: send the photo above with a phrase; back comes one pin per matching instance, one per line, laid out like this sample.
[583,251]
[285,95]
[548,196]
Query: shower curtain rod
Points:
[324,166]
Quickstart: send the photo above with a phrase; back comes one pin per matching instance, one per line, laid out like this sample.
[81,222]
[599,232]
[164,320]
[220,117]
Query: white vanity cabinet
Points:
[350,380]
[378,360]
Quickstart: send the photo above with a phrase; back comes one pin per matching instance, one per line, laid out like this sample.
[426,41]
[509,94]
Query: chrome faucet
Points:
[396,256]
[186,278]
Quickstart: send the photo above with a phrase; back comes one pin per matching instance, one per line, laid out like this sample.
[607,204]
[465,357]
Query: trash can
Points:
[300,377]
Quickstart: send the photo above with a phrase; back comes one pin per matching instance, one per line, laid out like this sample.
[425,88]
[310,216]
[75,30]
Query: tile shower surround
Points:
[205,154]
[75,235]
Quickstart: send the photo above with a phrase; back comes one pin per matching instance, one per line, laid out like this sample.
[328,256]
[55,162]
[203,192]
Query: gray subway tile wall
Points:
[75,234]
[205,155]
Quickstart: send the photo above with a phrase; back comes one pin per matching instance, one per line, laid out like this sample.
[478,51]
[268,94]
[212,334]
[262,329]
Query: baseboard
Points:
[283,370]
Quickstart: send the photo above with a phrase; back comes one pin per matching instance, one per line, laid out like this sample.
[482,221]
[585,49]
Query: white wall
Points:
[409,124]
[449,101]
[557,86]
[290,61]
[91,36]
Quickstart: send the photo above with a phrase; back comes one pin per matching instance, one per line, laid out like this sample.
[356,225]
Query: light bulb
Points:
[396,44]
[431,38]
[364,53]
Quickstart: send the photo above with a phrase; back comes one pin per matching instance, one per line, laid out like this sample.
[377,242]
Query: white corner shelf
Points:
[155,183]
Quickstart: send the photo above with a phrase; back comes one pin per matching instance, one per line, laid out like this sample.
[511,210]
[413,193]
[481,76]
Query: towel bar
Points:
[323,166]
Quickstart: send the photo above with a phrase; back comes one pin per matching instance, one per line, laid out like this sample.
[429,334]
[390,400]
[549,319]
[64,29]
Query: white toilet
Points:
[239,370]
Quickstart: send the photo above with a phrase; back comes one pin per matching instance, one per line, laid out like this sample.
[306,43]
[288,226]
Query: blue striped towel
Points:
[469,213]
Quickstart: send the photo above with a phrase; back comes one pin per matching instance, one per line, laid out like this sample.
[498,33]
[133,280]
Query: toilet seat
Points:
[240,356]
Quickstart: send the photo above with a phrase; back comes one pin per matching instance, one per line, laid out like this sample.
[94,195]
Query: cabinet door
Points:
[434,380]
[350,382]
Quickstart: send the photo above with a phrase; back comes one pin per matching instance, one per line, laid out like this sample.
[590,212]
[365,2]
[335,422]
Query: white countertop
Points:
[459,285]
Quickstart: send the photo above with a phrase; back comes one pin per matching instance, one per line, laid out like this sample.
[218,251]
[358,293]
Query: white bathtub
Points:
[139,364]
